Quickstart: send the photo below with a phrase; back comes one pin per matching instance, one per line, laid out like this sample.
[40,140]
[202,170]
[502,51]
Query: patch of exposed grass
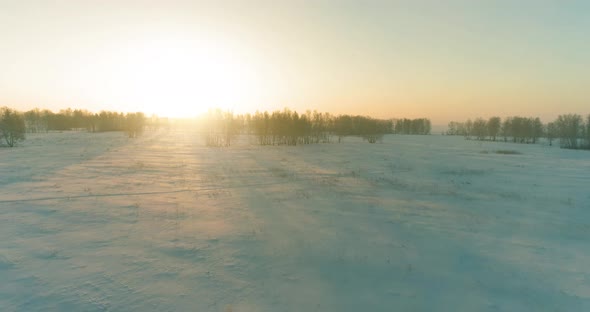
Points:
[508,152]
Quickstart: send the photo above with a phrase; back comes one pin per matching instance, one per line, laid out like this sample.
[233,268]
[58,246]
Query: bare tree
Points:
[587,134]
[12,126]
[468,129]
[494,124]
[411,126]
[134,124]
[220,127]
[551,132]
[537,130]
[36,120]
[479,129]
[506,128]
[569,127]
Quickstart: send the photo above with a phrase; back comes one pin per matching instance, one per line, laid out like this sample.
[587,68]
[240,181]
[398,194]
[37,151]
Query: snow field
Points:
[100,222]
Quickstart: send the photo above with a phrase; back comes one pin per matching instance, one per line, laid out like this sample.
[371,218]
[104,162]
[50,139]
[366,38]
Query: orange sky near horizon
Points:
[385,59]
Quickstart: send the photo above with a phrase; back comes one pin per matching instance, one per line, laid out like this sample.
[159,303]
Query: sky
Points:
[444,60]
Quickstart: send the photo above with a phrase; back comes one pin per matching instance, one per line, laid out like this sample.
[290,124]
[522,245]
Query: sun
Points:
[183,78]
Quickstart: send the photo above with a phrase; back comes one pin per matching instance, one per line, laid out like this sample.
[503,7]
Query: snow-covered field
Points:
[100,222]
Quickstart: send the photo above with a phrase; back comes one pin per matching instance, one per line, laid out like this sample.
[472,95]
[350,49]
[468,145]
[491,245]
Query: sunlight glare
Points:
[176,78]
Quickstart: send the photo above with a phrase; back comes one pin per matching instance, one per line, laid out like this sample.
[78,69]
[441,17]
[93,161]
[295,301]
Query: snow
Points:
[100,222]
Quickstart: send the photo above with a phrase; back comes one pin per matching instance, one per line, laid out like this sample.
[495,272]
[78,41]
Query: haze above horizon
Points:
[445,61]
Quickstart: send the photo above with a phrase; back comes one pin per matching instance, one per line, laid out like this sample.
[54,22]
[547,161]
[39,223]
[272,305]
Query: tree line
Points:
[37,120]
[288,127]
[571,129]
[14,124]
[420,126]
[280,127]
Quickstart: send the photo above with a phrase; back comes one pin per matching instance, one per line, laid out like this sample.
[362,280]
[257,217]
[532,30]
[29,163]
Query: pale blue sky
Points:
[447,60]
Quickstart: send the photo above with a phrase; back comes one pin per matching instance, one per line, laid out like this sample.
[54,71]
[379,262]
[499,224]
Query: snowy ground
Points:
[99,222]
